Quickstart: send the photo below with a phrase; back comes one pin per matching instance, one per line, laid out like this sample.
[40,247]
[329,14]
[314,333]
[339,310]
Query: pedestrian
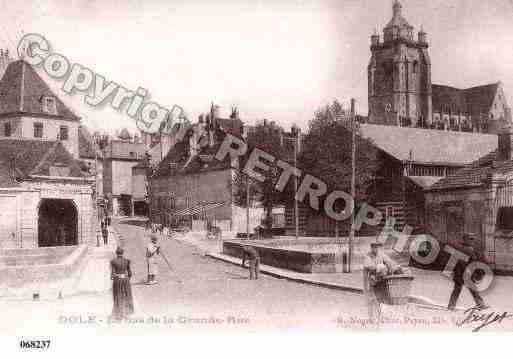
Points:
[105,234]
[61,235]
[123,303]
[376,265]
[467,247]
[152,251]
[249,252]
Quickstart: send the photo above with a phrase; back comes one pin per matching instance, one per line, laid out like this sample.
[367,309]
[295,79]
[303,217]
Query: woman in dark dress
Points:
[121,290]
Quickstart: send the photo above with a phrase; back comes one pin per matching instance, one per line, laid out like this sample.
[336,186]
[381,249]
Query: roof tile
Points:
[21,91]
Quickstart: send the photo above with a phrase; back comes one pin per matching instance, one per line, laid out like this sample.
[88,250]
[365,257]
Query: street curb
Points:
[417,300]
[283,276]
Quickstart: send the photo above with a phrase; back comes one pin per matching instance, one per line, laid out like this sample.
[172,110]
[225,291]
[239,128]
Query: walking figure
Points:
[105,233]
[251,253]
[459,272]
[152,251]
[121,290]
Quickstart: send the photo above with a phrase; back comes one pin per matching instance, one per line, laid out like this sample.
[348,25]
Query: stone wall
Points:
[39,264]
[27,199]
[299,261]
[478,208]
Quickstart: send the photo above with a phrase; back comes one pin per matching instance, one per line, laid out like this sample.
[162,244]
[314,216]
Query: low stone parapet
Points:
[296,260]
[22,266]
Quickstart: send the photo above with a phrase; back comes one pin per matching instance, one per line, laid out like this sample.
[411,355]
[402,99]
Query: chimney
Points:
[235,113]
[504,149]
[245,132]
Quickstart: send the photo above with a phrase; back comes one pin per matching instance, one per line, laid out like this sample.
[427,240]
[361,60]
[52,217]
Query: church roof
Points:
[429,146]
[478,97]
[26,158]
[22,90]
[482,95]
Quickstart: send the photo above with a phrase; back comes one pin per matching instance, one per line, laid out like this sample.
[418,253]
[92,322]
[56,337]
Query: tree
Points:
[327,152]
[266,137]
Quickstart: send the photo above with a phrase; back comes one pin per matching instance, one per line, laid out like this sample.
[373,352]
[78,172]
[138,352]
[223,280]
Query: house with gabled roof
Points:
[30,109]
[190,187]
[46,192]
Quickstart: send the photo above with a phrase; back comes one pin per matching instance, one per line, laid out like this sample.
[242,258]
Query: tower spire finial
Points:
[397,7]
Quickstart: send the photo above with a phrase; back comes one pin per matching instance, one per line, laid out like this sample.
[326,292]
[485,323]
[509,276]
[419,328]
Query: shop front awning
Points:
[197,209]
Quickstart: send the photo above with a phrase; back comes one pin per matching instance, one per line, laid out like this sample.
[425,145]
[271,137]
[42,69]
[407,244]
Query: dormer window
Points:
[49,105]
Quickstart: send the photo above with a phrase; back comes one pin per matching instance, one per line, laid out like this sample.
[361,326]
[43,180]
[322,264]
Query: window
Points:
[63,133]
[49,105]
[415,67]
[505,219]
[7,129]
[38,130]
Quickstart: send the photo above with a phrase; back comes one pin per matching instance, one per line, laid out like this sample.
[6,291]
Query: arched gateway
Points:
[57,223]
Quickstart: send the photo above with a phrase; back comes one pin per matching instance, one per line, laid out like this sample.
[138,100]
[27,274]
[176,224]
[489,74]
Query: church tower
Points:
[399,75]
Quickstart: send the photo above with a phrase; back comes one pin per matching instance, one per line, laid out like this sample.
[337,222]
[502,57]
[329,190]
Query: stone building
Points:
[140,173]
[30,110]
[400,92]
[45,198]
[478,199]
[119,157]
[192,188]
[91,157]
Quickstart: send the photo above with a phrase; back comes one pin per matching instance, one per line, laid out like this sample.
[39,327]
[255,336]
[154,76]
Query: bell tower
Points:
[399,75]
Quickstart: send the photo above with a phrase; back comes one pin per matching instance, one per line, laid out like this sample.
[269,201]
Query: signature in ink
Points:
[482,319]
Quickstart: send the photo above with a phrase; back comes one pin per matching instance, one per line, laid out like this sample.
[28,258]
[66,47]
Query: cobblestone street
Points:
[202,293]
[200,287]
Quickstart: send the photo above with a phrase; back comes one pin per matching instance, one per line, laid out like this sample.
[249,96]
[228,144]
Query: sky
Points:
[274,59]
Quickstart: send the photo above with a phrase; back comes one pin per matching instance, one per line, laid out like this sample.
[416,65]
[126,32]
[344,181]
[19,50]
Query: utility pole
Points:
[247,206]
[353,181]
[95,140]
[296,209]
[295,137]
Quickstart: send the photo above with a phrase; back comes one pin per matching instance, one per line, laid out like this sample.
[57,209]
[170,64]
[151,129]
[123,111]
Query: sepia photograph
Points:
[193,167]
